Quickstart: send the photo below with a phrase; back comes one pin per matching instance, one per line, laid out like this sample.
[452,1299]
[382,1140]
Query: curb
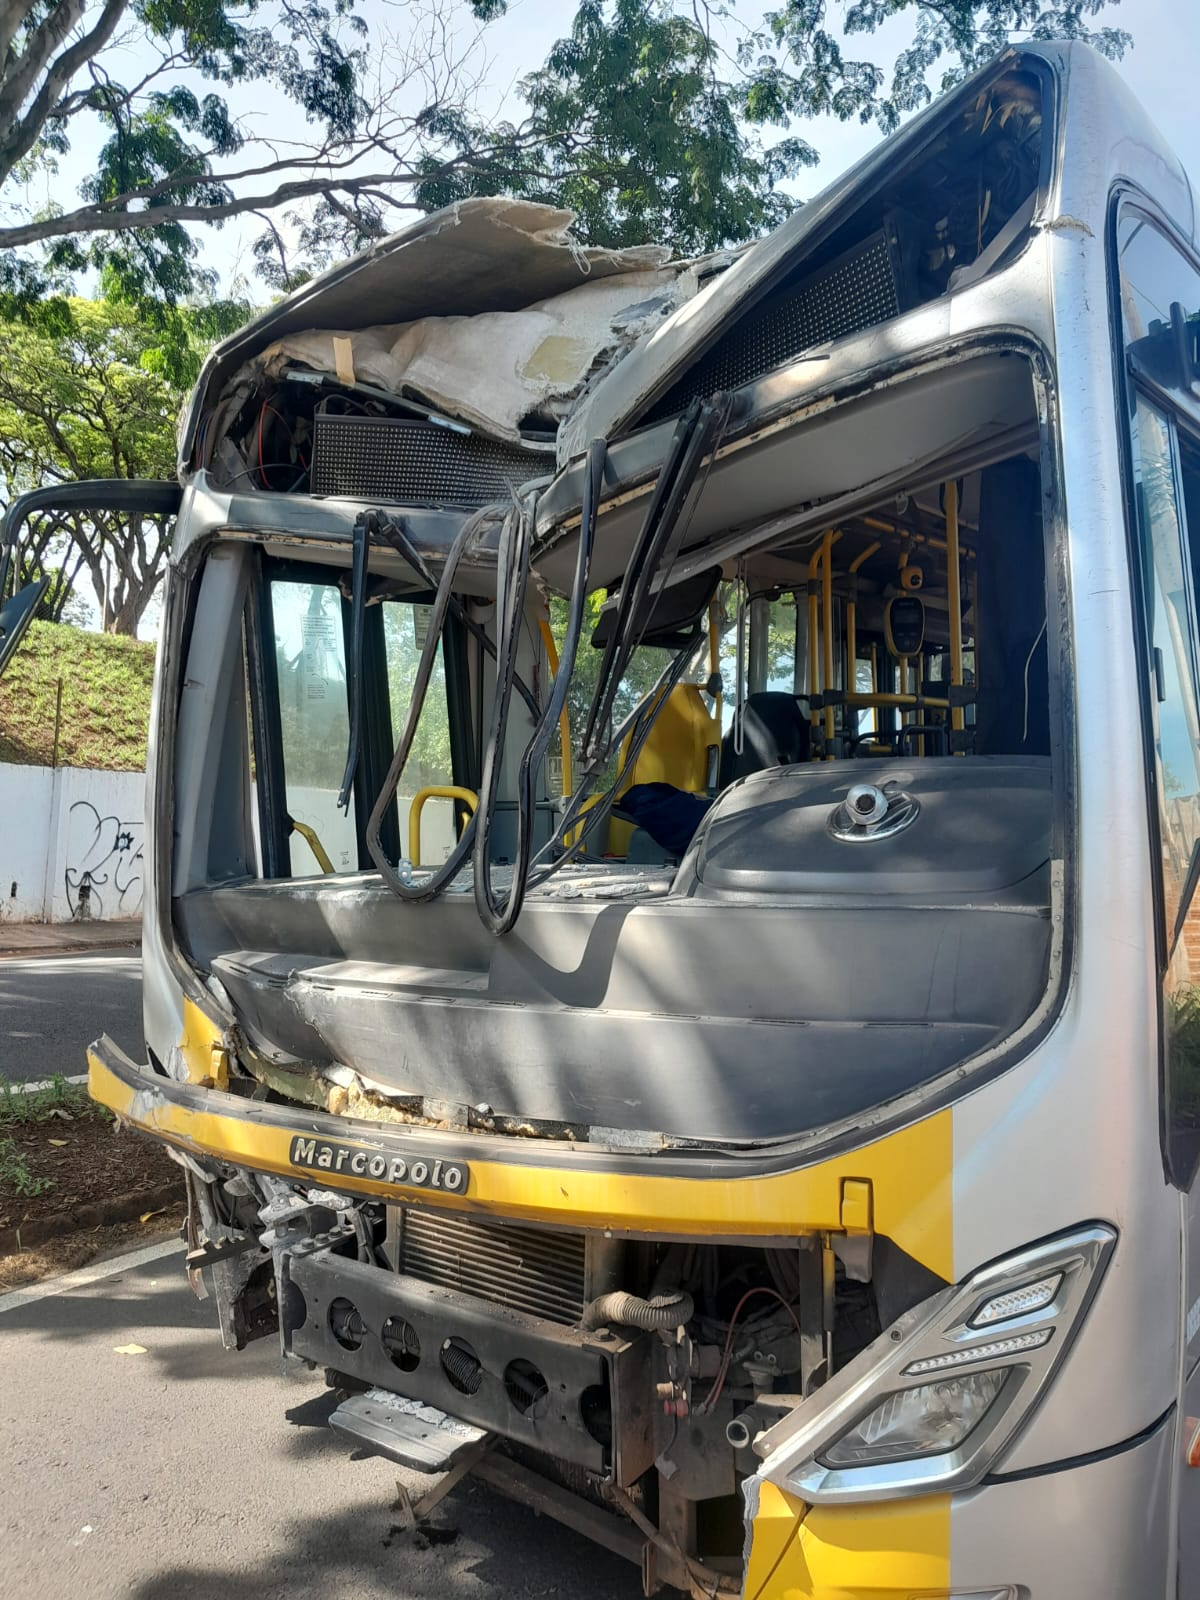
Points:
[48,952]
[121,1208]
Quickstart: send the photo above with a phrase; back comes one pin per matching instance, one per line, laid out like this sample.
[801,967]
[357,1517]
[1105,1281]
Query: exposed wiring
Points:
[1028,664]
[714,1394]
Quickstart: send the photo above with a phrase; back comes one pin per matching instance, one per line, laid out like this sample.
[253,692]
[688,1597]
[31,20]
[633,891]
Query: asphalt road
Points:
[186,1473]
[52,1007]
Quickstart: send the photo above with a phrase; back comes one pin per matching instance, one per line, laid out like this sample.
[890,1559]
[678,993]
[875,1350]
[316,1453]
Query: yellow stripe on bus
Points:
[909,1173]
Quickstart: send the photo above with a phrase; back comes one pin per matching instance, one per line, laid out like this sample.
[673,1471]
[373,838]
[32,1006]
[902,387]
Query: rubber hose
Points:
[660,1311]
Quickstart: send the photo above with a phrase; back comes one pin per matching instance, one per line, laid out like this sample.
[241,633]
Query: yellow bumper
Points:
[897,1551]
[898,1186]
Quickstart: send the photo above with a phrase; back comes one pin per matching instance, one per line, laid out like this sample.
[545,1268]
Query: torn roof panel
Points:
[538,359]
[620,403]
[473,257]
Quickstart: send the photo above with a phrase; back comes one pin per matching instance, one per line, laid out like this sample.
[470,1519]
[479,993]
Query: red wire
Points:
[714,1394]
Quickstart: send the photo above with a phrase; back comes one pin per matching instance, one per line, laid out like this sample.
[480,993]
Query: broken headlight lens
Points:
[929,1420]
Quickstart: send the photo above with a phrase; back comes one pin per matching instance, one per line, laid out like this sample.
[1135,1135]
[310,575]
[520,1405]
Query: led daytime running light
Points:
[992,1351]
[1018,1302]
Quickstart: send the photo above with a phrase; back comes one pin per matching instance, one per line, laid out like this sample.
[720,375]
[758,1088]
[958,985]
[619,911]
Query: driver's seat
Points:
[775,733]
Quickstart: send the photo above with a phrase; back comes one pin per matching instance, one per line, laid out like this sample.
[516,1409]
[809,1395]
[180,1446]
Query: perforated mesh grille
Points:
[416,463]
[855,292]
[538,1271]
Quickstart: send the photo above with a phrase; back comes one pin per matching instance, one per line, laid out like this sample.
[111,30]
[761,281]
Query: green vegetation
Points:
[22,1108]
[89,400]
[105,699]
[654,118]
[15,1172]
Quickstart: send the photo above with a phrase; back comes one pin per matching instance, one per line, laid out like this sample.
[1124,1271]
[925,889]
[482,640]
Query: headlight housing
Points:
[931,1404]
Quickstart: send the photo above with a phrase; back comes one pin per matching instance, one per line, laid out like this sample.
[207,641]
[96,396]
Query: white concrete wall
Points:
[70,843]
[71,840]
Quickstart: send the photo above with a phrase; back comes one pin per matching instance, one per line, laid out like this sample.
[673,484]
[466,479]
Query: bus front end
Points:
[654,949]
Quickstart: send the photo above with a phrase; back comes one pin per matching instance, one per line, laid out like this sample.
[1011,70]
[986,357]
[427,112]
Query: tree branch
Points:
[23,133]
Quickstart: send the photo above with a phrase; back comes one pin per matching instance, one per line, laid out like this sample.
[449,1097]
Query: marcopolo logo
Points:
[418,1172]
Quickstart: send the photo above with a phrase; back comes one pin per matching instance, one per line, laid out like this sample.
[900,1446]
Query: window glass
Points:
[1154,278]
[429,763]
[314,720]
[1170,628]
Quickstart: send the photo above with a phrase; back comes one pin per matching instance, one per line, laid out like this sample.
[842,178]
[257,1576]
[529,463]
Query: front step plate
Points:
[405,1431]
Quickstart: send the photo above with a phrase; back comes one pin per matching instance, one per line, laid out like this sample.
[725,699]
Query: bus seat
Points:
[681,750]
[776,733]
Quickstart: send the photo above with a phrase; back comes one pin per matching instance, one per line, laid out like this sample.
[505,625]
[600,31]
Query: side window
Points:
[310,659]
[1168,559]
[429,763]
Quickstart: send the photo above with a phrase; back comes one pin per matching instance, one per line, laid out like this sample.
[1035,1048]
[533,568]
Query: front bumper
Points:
[898,1185]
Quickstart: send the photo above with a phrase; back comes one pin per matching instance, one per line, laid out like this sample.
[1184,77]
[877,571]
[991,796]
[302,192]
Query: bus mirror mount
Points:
[151,497]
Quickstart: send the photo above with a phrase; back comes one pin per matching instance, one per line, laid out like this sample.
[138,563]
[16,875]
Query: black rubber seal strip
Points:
[996,1478]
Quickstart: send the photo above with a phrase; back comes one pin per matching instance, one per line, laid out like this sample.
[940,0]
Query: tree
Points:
[648,118]
[86,402]
[172,151]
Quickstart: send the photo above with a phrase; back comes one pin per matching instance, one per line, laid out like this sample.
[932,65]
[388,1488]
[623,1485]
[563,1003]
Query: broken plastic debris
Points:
[129,1349]
[146,1215]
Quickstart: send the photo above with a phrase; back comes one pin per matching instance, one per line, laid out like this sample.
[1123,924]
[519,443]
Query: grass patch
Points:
[58,1101]
[105,699]
[16,1175]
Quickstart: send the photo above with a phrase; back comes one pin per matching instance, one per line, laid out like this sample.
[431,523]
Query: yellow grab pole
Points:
[309,835]
[827,625]
[954,599]
[852,619]
[435,791]
[813,646]
[564,719]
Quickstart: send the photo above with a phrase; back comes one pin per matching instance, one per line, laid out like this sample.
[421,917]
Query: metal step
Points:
[406,1431]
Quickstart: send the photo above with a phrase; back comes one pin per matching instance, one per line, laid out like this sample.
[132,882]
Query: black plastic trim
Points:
[1088,1459]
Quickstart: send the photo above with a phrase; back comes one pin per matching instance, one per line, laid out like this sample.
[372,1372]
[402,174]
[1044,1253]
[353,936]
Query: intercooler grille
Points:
[538,1272]
[854,292]
[415,463]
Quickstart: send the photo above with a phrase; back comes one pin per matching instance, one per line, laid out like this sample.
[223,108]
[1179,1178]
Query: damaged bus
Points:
[674,804]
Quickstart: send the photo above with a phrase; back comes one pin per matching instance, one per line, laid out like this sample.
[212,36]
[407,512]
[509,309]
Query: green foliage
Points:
[649,117]
[646,123]
[635,128]
[314,715]
[22,1108]
[1183,1034]
[16,1175]
[106,683]
[94,392]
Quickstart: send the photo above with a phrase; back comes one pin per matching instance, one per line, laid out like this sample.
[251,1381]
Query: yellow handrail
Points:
[309,835]
[436,791]
[954,599]
[852,618]
[564,719]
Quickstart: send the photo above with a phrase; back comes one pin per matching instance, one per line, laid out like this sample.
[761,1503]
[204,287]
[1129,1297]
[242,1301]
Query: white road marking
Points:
[84,1276]
[44,1083]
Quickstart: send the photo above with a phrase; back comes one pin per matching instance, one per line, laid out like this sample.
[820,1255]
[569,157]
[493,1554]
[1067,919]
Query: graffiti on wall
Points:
[104,864]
